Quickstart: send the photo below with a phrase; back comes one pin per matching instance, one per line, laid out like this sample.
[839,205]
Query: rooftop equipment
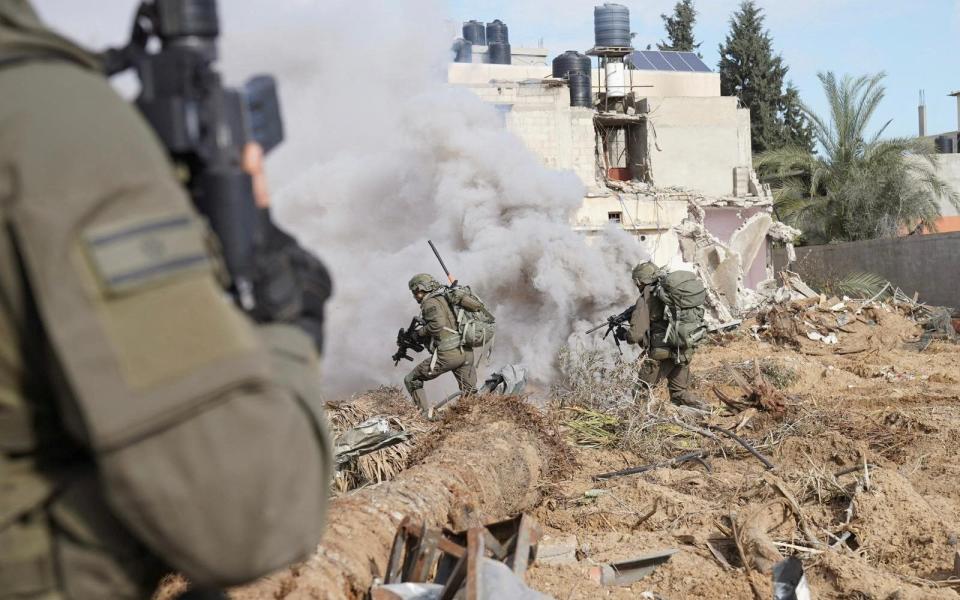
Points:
[576,69]
[475,33]
[497,32]
[611,26]
[498,53]
[462,51]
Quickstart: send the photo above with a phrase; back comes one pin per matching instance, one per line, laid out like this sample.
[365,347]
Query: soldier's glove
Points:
[290,285]
[620,333]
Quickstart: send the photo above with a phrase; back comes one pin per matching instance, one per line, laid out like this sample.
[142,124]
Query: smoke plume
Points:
[381,155]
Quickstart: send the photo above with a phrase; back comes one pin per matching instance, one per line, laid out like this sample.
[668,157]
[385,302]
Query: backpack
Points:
[477,328]
[683,294]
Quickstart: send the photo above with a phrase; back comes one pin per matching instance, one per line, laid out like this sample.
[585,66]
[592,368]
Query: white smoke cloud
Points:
[382,155]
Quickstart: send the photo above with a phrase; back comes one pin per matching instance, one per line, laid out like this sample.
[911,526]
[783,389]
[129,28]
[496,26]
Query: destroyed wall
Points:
[724,222]
[696,143]
[924,264]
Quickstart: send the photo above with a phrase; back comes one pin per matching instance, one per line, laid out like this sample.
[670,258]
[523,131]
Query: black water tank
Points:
[570,61]
[498,53]
[462,51]
[497,32]
[475,33]
[611,26]
[581,93]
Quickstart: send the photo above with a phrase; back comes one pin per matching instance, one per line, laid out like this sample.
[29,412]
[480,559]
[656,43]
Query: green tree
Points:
[679,28]
[751,71]
[860,186]
[797,129]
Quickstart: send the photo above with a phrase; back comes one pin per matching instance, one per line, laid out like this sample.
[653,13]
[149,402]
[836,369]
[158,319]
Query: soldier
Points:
[440,334]
[648,327]
[146,424]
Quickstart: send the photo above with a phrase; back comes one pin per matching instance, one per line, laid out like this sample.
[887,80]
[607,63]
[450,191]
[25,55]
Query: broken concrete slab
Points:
[558,550]
[629,571]
[750,237]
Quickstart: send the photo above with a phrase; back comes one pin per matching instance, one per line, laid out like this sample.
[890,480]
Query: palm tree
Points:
[859,186]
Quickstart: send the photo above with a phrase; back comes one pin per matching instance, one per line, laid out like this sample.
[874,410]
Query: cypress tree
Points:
[797,130]
[751,71]
[679,28]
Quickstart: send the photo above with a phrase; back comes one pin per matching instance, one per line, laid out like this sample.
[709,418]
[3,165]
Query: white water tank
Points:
[616,77]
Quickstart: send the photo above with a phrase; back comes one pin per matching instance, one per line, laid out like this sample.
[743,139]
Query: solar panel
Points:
[695,63]
[656,60]
[676,62]
[639,61]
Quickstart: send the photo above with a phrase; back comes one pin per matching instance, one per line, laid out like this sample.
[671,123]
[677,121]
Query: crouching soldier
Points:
[455,323]
[668,320]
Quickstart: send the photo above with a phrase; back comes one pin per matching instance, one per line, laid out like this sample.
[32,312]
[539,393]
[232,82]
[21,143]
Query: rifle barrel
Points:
[600,326]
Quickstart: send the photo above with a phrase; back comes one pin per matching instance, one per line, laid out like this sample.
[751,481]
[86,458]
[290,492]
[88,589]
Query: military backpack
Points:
[476,328]
[682,294]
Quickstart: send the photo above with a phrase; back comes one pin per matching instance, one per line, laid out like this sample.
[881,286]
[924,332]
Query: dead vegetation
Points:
[862,449]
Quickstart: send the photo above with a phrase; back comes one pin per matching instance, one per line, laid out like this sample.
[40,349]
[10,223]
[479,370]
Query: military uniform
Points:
[116,342]
[442,338]
[648,327]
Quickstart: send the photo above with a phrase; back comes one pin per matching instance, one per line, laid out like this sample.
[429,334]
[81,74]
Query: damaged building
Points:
[660,151]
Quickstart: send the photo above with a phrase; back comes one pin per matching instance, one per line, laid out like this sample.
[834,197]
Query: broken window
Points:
[615,217]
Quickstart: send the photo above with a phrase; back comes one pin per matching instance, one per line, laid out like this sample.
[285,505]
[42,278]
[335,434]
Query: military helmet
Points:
[423,282]
[645,273]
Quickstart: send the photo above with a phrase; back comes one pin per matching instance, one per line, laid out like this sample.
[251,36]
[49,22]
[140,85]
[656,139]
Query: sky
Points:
[913,42]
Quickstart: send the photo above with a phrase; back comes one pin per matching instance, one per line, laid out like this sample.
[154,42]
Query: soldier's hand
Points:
[620,333]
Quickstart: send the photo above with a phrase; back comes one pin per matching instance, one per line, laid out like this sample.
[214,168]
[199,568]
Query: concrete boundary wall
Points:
[924,264]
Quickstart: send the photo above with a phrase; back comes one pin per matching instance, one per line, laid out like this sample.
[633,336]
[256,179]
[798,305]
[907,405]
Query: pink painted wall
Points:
[722,221]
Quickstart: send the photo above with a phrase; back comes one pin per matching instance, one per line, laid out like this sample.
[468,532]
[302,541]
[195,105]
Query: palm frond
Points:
[857,285]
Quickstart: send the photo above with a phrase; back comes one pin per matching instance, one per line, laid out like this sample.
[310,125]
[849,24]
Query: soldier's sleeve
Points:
[118,263]
[432,312]
[639,330]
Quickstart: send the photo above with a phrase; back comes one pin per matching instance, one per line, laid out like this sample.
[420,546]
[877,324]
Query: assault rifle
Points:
[205,126]
[612,323]
[407,340]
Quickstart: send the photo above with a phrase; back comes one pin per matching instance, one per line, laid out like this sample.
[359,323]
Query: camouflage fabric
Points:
[678,380]
[107,362]
[423,282]
[443,340]
[645,273]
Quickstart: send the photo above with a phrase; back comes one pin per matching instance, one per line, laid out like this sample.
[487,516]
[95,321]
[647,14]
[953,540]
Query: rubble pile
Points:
[798,316]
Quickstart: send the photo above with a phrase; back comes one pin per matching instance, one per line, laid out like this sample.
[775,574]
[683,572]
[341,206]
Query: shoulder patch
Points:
[132,254]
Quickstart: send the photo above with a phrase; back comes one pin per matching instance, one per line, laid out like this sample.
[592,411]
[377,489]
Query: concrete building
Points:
[948,166]
[664,151]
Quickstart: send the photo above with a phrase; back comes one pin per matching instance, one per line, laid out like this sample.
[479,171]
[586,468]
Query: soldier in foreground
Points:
[147,424]
[447,334]
[667,320]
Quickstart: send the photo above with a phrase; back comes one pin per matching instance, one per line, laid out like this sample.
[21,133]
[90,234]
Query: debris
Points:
[371,435]
[956,563]
[508,380]
[557,550]
[459,560]
[407,591]
[698,455]
[789,581]
[757,393]
[766,461]
[626,572]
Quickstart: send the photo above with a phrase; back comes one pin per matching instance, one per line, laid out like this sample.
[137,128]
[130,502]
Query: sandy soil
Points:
[880,402]
[891,406]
